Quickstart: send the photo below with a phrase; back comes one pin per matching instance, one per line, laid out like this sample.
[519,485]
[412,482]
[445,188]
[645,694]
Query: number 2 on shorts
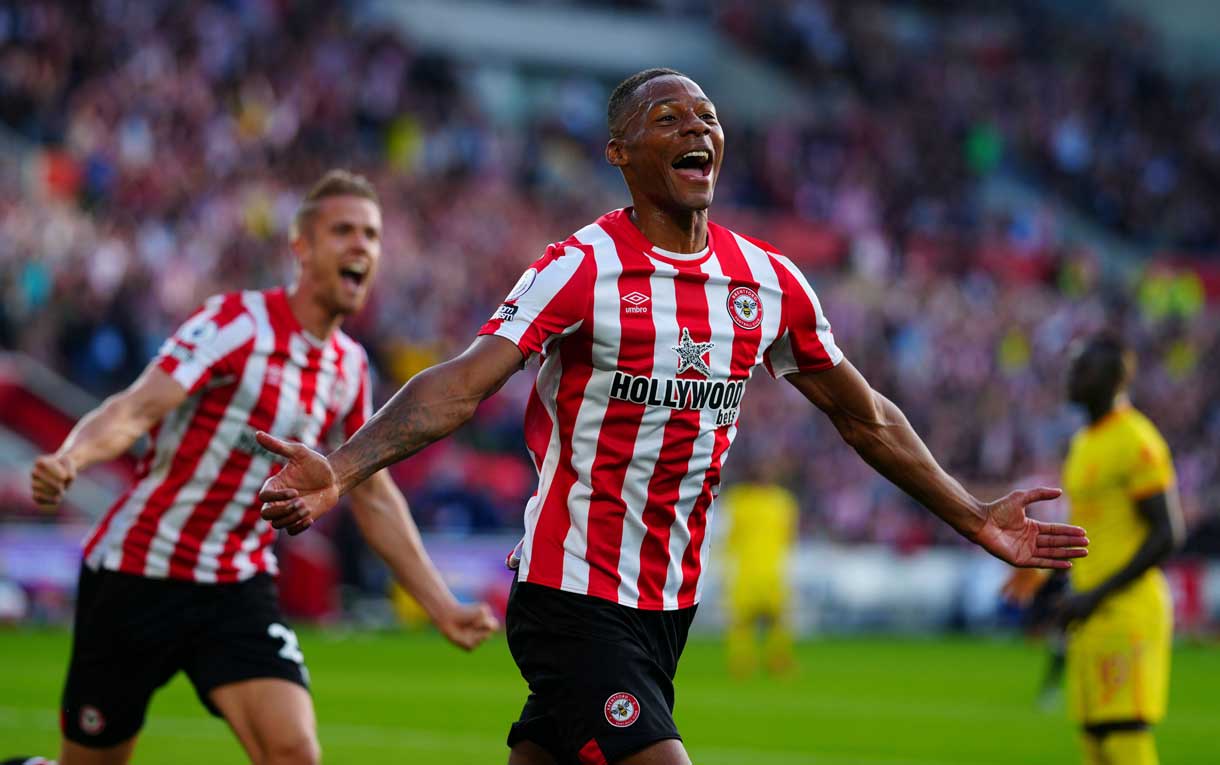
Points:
[292,648]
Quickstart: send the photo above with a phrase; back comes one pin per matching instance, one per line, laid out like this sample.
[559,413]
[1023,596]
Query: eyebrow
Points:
[672,100]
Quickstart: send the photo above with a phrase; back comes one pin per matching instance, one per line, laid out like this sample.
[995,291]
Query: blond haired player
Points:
[178,574]
[1120,483]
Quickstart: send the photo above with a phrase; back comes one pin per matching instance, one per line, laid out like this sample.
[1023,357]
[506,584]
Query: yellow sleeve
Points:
[1152,466]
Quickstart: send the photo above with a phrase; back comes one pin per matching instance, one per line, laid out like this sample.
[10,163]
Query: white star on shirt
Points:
[690,354]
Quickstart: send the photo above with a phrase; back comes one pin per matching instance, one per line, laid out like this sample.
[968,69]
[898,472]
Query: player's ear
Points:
[299,244]
[616,152]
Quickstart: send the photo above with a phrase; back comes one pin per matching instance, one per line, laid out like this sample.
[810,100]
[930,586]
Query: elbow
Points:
[861,436]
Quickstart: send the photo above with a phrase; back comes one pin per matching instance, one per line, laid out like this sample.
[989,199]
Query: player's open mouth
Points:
[354,274]
[695,165]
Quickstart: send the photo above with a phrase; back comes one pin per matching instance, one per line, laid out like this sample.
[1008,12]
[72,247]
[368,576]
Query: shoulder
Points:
[762,244]
[1142,431]
[226,311]
[757,251]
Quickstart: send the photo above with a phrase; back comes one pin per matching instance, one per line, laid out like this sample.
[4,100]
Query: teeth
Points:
[357,268]
[703,155]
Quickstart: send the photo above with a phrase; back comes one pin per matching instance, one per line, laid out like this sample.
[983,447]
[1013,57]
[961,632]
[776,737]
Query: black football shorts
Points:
[600,675]
[132,634]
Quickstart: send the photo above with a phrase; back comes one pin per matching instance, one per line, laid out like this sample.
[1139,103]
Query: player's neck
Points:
[683,231]
[311,315]
[1100,410]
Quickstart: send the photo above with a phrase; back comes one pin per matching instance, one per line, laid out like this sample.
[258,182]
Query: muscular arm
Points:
[106,432]
[381,513]
[385,521]
[883,437]
[432,405]
[111,429]
[880,433]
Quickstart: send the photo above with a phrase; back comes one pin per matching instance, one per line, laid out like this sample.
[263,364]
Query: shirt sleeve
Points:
[203,347]
[1152,467]
[550,299]
[805,342]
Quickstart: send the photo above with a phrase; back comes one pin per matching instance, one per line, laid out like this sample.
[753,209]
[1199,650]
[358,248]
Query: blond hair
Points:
[335,183]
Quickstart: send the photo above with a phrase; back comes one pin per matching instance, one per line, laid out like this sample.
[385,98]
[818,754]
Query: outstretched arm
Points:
[1166,532]
[433,404]
[882,436]
[105,433]
[384,519]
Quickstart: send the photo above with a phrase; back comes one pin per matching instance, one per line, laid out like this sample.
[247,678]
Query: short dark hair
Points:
[1111,356]
[335,183]
[620,99]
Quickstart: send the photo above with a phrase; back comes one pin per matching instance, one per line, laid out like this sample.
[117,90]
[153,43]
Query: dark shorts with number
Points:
[600,674]
[132,634]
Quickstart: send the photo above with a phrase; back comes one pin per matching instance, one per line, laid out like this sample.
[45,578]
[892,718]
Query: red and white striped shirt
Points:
[645,357]
[247,365]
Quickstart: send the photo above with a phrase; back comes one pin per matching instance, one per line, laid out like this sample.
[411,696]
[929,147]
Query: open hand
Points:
[467,625]
[294,497]
[1021,541]
[50,478]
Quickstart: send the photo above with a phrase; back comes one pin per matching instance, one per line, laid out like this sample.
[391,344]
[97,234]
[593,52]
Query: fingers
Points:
[475,623]
[52,469]
[1040,494]
[49,481]
[1062,529]
[275,445]
[1060,552]
[269,495]
[1062,540]
[291,514]
[1047,563]
[300,526]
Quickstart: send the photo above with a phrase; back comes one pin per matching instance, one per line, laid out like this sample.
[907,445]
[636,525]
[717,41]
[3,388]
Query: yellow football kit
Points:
[762,521]
[1118,658]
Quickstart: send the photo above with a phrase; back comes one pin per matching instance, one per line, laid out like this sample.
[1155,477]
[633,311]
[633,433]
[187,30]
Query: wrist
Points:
[975,519]
[341,472]
[71,460]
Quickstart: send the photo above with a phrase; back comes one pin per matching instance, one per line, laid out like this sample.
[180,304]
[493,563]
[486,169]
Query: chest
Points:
[294,389]
[681,323]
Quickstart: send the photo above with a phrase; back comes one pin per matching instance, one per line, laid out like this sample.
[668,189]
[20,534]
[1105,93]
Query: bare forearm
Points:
[390,530]
[105,433]
[889,444]
[429,407]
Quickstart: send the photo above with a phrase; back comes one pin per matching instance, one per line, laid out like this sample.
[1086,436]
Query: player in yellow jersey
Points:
[762,521]
[1119,480]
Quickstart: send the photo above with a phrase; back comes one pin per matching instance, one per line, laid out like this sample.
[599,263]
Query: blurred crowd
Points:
[173,139]
[1074,95]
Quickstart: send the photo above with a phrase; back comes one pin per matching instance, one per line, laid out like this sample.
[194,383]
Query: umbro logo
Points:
[635,302]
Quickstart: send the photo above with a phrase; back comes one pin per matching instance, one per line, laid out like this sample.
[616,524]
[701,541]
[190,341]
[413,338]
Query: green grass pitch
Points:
[410,698]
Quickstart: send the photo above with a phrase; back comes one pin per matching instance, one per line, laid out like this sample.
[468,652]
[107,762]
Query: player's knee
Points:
[297,750]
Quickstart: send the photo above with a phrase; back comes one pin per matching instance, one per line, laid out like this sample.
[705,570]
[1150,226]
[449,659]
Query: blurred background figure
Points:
[761,517]
[1120,481]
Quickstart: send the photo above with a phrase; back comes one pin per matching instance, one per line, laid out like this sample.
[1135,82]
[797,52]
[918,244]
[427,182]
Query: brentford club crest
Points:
[91,720]
[745,308]
[622,709]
